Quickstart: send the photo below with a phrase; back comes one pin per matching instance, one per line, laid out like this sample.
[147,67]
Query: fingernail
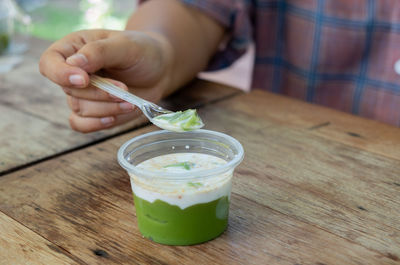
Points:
[77,59]
[75,104]
[66,90]
[126,106]
[77,80]
[120,85]
[107,120]
[115,98]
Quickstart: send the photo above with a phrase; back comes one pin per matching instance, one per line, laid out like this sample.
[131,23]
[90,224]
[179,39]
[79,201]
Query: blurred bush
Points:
[54,19]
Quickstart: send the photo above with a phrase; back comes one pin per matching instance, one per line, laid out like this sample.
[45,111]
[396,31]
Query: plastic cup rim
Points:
[230,165]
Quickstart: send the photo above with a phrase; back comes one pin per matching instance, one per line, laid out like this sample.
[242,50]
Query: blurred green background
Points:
[53,19]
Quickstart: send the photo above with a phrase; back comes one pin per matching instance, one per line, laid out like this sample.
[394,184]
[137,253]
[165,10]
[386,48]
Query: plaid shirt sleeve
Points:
[234,15]
[340,54]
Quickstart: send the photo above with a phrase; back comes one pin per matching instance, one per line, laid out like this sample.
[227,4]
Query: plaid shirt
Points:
[338,53]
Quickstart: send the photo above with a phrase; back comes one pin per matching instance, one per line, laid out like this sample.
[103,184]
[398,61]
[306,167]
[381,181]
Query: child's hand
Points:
[140,61]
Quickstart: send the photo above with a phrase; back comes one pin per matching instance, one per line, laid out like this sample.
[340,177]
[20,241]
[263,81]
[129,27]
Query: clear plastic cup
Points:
[185,207]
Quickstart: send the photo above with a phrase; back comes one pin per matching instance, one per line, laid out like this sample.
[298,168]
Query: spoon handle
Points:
[107,86]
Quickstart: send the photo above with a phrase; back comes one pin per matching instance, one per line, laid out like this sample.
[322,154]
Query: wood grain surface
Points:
[330,183]
[304,194]
[19,245]
[328,123]
[34,114]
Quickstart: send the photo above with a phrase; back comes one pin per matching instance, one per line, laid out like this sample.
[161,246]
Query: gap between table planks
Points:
[28,137]
[86,207]
[34,114]
[299,197]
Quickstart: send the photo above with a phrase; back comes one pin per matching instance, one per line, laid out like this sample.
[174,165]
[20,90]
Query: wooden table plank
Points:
[19,245]
[337,186]
[328,123]
[19,144]
[82,202]
[34,110]
[298,198]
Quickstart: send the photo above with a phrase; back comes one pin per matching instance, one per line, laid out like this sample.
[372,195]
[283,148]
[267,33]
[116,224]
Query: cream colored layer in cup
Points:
[185,192]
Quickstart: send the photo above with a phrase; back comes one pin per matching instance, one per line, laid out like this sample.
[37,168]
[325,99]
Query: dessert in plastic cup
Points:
[181,183]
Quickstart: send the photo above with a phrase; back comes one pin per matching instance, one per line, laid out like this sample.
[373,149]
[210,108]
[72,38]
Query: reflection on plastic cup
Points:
[181,183]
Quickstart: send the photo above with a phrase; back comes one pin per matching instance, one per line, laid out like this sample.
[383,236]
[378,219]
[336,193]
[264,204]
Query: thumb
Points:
[113,52]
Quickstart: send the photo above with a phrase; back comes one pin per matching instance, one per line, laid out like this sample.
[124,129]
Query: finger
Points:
[53,64]
[95,94]
[90,124]
[89,108]
[116,51]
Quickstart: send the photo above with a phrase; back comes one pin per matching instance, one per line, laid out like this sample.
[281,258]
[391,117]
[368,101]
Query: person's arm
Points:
[165,44]
[192,36]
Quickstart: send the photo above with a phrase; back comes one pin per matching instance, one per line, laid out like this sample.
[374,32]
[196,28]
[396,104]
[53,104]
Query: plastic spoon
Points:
[173,121]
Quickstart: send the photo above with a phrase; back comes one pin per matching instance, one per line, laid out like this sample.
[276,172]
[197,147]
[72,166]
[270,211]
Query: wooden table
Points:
[316,186]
